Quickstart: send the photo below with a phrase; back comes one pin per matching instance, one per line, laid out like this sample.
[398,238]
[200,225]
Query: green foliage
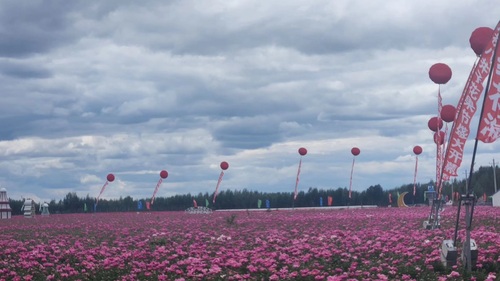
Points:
[481,182]
[231,220]
[157,242]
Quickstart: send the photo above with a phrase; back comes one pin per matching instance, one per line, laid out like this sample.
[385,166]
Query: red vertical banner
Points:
[302,152]
[439,144]
[350,180]
[439,73]
[109,178]
[224,166]
[296,190]
[417,150]
[163,175]
[330,200]
[217,186]
[156,190]
[467,107]
[415,176]
[355,152]
[102,190]
[489,126]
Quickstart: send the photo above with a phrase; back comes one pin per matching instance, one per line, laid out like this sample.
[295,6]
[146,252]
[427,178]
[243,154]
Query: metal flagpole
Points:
[469,203]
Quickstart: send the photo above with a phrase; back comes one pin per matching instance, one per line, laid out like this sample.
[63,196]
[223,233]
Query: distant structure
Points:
[28,208]
[198,210]
[45,209]
[430,195]
[5,210]
[496,199]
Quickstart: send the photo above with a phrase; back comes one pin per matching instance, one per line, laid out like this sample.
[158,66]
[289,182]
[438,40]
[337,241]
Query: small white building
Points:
[45,209]
[28,208]
[5,210]
[496,199]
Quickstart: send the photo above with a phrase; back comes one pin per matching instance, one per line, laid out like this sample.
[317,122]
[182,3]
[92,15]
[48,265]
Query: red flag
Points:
[489,126]
[218,183]
[297,181]
[148,205]
[466,109]
[350,181]
[102,190]
[330,200]
[415,177]
[156,190]
[438,140]
[195,204]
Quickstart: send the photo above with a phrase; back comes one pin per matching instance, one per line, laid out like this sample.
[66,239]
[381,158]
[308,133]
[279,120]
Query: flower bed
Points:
[348,244]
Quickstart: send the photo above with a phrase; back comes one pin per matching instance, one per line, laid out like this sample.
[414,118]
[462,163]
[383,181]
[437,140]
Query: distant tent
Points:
[496,199]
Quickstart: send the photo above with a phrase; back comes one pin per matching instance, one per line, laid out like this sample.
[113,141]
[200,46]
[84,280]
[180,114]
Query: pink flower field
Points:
[348,244]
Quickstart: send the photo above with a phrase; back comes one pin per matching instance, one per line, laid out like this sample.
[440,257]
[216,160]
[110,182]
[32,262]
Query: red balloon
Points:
[224,165]
[440,73]
[441,137]
[302,151]
[448,113]
[355,151]
[433,124]
[163,174]
[480,38]
[110,177]
[417,149]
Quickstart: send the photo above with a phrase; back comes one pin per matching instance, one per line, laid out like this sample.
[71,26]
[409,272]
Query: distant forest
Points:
[482,184]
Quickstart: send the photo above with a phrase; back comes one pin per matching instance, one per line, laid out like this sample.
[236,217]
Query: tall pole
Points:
[452,192]
[466,182]
[468,221]
[494,175]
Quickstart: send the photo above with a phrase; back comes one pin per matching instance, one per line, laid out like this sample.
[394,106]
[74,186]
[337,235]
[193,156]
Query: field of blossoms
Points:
[348,244]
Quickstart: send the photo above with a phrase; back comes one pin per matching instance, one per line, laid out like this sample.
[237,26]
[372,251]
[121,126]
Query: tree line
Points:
[482,184]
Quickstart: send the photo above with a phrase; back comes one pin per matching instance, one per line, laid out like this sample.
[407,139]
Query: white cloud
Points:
[133,89]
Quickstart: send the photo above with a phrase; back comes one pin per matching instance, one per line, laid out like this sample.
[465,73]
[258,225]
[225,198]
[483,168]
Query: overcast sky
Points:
[135,87]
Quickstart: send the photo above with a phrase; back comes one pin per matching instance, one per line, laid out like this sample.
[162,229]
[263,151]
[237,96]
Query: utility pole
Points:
[494,175]
[466,183]
[452,192]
